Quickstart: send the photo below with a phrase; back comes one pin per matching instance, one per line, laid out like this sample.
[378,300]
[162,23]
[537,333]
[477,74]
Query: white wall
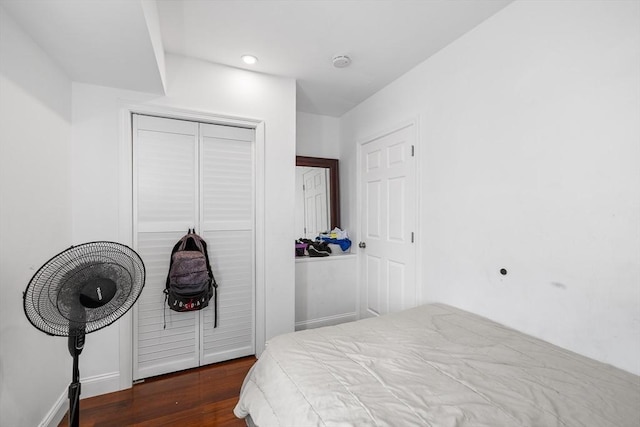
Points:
[35,219]
[529,141]
[317,135]
[205,88]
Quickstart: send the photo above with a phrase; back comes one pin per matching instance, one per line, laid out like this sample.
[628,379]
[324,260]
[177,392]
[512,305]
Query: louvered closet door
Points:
[228,227]
[184,179]
[165,206]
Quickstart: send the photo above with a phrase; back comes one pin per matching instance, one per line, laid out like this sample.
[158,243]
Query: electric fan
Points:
[80,290]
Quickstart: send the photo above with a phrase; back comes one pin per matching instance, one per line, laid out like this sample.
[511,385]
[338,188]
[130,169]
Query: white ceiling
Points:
[103,42]
[107,42]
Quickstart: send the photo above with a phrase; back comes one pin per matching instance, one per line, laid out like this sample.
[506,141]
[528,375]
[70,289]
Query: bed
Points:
[433,365]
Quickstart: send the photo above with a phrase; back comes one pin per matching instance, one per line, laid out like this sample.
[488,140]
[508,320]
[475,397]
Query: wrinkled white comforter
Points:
[432,366]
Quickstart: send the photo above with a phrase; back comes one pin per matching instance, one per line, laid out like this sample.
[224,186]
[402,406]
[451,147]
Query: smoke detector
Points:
[341,61]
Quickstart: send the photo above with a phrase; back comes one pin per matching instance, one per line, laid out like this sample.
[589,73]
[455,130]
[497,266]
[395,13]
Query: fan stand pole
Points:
[76,344]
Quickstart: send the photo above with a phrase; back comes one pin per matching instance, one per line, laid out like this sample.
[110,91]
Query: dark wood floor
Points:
[198,397]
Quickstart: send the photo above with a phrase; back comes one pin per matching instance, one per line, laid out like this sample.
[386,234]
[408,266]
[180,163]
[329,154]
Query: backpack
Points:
[190,282]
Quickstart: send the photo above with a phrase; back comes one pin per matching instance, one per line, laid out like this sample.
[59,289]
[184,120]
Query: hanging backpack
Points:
[190,282]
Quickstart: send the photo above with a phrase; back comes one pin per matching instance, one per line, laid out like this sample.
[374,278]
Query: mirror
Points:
[317,196]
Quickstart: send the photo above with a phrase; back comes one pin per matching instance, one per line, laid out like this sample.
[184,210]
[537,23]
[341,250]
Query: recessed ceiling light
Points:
[249,59]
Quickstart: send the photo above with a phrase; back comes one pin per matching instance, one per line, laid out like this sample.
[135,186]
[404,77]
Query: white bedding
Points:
[432,366]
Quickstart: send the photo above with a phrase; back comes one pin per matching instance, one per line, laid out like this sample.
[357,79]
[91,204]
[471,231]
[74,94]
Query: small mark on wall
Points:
[559,285]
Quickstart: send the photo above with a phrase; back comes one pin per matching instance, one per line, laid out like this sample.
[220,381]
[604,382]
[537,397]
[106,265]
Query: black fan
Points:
[81,290]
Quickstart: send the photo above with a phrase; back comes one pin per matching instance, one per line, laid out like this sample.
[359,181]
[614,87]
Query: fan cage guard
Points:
[52,298]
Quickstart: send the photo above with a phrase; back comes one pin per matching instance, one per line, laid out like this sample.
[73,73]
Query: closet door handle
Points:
[362,245]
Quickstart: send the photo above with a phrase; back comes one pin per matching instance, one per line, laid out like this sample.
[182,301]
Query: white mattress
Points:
[432,366]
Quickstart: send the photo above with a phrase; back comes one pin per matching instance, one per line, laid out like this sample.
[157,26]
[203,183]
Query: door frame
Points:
[360,297]
[125,213]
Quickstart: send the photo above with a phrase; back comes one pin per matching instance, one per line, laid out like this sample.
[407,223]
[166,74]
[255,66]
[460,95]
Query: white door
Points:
[388,218]
[165,206]
[227,194]
[192,175]
[316,206]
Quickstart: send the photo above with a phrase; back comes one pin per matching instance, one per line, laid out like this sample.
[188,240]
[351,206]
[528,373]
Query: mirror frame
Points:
[334,182]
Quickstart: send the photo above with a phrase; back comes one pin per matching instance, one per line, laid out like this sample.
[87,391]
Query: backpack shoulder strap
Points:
[214,284]
[203,244]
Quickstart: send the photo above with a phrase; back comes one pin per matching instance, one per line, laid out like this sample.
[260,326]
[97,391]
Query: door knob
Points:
[362,245]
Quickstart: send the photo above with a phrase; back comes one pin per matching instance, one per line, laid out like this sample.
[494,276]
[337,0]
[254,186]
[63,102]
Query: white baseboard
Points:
[100,384]
[326,321]
[91,386]
[55,415]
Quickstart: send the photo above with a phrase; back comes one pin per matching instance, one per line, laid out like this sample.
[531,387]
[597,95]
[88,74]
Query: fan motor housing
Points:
[97,293]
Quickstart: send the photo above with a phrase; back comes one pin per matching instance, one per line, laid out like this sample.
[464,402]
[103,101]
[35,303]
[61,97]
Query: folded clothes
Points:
[336,233]
[344,243]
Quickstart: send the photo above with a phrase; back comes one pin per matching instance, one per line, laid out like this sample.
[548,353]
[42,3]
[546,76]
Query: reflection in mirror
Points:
[317,196]
[313,183]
